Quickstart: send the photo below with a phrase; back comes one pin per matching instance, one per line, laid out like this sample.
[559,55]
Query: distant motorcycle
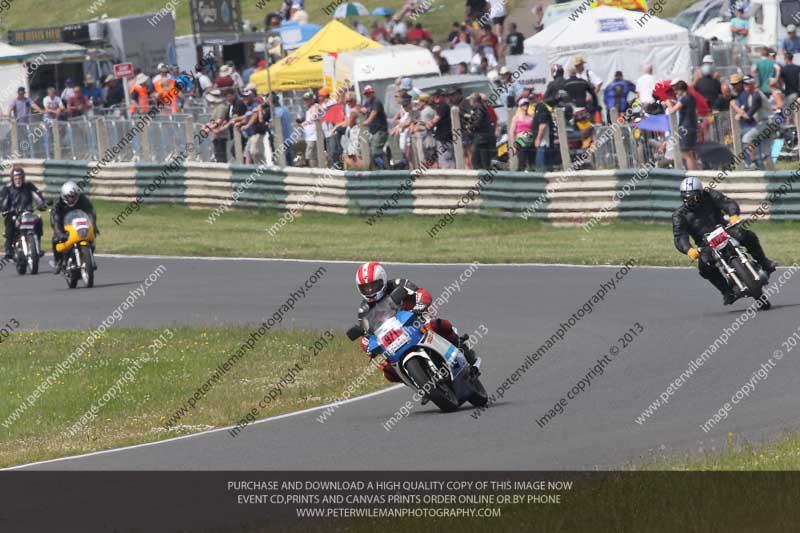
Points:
[27,246]
[77,249]
[423,360]
[743,274]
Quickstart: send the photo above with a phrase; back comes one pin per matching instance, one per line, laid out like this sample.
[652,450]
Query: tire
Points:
[478,397]
[443,395]
[33,260]
[22,266]
[753,285]
[87,271]
[72,279]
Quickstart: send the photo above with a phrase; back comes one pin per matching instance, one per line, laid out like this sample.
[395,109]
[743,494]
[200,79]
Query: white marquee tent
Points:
[611,39]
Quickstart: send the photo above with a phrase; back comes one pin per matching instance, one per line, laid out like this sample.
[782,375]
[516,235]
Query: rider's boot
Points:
[755,249]
[469,353]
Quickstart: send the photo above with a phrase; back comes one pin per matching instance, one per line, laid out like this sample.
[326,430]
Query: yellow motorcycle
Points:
[77,250]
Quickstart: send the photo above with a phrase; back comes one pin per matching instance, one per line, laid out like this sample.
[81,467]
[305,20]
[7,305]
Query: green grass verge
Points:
[178,230]
[163,382]
[438,21]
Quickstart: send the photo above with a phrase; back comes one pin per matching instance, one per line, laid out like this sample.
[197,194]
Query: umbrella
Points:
[654,123]
[350,9]
[382,11]
[335,113]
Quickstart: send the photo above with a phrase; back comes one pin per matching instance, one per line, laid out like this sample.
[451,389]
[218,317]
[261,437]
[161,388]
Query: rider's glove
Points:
[693,254]
[734,219]
[423,300]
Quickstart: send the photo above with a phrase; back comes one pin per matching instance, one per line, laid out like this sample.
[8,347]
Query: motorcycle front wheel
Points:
[746,277]
[33,258]
[478,396]
[87,270]
[442,394]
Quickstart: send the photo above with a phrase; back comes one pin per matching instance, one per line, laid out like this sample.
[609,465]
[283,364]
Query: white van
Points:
[378,67]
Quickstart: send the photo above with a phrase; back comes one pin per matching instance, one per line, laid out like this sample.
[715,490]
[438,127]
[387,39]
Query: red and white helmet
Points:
[371,281]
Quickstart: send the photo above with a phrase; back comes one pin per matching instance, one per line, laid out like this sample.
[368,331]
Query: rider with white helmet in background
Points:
[373,285]
[702,211]
[71,199]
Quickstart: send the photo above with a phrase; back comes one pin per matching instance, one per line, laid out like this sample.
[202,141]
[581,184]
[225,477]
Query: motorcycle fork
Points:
[748,263]
[729,272]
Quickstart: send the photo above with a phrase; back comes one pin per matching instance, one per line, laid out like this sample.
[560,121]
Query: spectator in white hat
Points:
[645,85]
[444,64]
[709,85]
[790,43]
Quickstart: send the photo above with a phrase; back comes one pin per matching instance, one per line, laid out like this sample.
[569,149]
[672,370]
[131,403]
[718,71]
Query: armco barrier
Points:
[558,196]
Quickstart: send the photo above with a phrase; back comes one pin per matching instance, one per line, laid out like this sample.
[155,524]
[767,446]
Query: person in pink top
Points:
[521,125]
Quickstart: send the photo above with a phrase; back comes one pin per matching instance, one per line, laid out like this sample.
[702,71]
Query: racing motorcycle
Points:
[27,246]
[77,250]
[743,274]
[424,360]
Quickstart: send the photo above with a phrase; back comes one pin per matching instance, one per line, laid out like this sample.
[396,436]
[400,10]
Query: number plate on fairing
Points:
[80,223]
[718,238]
[392,336]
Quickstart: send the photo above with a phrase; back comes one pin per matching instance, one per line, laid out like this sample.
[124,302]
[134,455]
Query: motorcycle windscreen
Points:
[80,221]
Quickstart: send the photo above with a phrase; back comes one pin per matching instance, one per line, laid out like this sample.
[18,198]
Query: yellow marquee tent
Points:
[303,68]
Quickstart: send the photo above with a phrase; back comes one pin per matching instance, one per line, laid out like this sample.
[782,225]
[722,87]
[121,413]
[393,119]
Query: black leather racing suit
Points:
[704,218]
[60,210]
[18,200]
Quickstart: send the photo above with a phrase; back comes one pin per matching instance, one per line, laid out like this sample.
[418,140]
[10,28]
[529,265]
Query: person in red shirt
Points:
[78,104]
[418,34]
[489,39]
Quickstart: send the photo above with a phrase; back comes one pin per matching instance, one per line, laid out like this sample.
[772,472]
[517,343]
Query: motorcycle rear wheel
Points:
[442,394]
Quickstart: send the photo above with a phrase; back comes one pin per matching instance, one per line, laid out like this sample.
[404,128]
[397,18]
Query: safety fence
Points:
[559,196]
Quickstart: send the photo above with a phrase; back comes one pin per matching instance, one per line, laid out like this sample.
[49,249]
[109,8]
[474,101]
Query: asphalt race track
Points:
[520,306]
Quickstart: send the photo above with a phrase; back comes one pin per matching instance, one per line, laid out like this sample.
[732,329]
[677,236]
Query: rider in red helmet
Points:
[373,285]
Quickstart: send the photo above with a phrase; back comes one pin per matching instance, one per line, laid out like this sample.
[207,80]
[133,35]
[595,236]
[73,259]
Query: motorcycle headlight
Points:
[83,233]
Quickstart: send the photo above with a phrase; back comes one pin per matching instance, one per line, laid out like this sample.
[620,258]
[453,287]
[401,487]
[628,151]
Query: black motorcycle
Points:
[744,275]
[27,245]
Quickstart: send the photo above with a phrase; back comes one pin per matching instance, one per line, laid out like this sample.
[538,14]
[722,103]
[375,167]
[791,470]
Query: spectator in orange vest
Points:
[168,94]
[140,96]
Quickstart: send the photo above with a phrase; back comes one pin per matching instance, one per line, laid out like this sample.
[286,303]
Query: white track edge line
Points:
[206,432]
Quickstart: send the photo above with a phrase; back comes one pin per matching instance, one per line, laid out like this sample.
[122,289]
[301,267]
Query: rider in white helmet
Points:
[373,285]
[71,198]
[702,211]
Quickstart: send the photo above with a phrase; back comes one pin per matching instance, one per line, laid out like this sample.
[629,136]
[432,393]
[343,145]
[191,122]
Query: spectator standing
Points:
[68,91]
[686,107]
[514,41]
[419,34]
[790,43]
[376,125]
[616,94]
[310,128]
[551,91]
[464,112]
[280,113]
[216,126]
[475,10]
[379,33]
[453,37]
[790,76]
[238,81]
[236,111]
[52,105]
[114,93]
[203,81]
[543,134]
[352,149]
[488,41]
[328,128]
[538,19]
[22,107]
[709,85]
[498,13]
[441,61]
[78,104]
[92,92]
[426,116]
[483,144]
[511,87]
[139,95]
[585,74]
[581,93]
[645,85]
[752,109]
[443,131]
[399,30]
[522,126]
[740,26]
[246,73]
[764,69]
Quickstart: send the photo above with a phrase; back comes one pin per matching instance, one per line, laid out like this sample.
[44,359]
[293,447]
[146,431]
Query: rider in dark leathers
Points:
[702,211]
[15,198]
[70,200]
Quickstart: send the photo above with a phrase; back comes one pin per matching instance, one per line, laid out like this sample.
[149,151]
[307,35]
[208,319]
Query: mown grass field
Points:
[178,230]
[438,21]
[159,383]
